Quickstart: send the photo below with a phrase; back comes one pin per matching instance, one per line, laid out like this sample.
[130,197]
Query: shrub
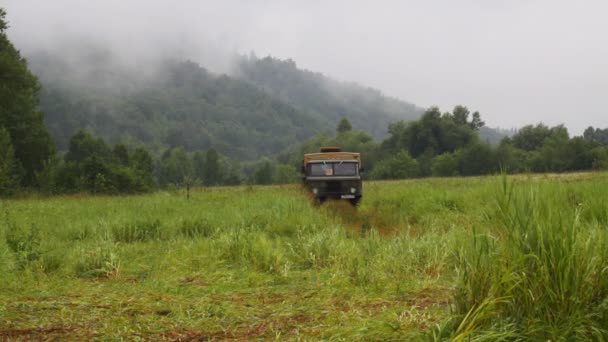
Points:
[445,165]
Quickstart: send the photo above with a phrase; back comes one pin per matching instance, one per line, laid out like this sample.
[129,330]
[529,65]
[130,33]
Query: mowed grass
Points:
[265,263]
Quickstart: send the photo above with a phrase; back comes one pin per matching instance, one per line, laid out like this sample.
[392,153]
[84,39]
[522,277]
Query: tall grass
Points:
[539,272]
[524,259]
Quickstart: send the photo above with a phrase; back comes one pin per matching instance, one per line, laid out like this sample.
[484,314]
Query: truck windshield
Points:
[332,169]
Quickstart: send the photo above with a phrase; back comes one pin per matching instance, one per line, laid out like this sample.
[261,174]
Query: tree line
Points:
[436,144]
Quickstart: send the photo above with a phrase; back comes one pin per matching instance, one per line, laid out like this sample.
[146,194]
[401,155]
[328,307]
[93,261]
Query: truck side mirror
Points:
[361,169]
[302,169]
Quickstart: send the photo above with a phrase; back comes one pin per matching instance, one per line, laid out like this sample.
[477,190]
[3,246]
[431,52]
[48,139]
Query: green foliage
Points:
[285,174]
[212,174]
[326,101]
[9,173]
[175,166]
[97,262]
[446,165]
[31,142]
[344,126]
[137,231]
[90,165]
[264,173]
[433,134]
[197,228]
[430,258]
[596,135]
[600,158]
[25,244]
[540,268]
[477,159]
[402,165]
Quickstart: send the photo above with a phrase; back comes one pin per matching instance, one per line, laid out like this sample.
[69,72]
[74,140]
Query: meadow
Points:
[483,258]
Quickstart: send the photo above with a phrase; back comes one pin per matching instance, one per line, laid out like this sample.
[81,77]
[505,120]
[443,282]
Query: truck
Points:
[331,173]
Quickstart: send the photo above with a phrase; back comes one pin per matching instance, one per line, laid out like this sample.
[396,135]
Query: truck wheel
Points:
[319,201]
[355,201]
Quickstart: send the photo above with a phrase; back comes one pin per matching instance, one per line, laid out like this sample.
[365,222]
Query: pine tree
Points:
[9,178]
[344,126]
[19,115]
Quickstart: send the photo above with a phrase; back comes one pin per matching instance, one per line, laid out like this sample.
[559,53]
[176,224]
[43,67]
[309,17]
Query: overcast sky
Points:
[516,61]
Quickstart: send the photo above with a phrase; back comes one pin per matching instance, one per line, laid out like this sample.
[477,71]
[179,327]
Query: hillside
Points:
[368,109]
[180,103]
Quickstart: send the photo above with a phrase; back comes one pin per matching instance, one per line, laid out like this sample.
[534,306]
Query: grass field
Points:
[491,258]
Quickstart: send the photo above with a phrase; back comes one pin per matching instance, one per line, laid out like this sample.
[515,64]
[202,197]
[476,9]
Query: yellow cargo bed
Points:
[332,156]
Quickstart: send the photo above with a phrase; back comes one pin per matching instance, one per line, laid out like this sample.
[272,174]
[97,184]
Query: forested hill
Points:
[179,104]
[267,105]
[367,109]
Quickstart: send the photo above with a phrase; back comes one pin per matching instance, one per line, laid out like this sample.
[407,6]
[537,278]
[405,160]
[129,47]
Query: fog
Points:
[516,61]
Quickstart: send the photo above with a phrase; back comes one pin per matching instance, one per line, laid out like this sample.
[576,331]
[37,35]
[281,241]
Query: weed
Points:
[137,231]
[98,262]
[25,244]
[196,228]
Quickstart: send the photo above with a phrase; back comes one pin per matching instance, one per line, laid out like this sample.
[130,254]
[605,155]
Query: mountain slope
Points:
[267,105]
[366,108]
[181,104]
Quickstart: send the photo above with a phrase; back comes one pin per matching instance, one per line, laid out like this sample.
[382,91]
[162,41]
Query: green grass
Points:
[435,259]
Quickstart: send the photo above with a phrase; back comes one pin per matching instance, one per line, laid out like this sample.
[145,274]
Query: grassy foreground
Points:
[488,258]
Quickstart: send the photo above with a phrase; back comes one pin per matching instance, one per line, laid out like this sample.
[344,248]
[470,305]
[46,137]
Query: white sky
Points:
[516,61]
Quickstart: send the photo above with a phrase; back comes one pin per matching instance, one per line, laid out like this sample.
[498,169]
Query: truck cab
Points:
[332,173]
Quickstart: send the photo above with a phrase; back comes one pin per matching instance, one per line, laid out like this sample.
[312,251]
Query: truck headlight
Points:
[315,191]
[353,190]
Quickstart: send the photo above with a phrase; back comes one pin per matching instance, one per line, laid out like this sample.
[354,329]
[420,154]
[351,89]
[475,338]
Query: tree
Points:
[142,163]
[121,154]
[9,176]
[84,145]
[445,165]
[344,126]
[176,167]
[461,115]
[476,122]
[531,137]
[402,165]
[477,159]
[600,158]
[285,174]
[212,173]
[19,115]
[263,173]
[142,160]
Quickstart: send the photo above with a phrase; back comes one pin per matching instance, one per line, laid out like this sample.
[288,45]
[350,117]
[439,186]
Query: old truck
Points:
[331,173]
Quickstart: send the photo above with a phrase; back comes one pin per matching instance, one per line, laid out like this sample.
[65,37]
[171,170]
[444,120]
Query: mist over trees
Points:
[321,96]
[122,130]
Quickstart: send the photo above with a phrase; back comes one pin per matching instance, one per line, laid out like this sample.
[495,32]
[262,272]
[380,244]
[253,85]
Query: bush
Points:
[445,165]
[402,165]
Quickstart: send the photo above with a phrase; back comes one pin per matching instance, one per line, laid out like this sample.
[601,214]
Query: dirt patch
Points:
[360,221]
[182,335]
[243,332]
[424,298]
[36,334]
